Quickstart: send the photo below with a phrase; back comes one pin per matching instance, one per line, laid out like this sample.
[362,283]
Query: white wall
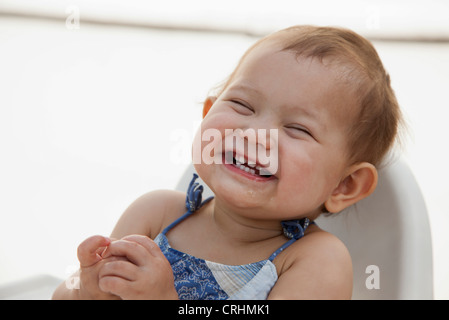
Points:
[92,118]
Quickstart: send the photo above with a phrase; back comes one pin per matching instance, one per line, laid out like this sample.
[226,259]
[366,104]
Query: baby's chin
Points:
[238,195]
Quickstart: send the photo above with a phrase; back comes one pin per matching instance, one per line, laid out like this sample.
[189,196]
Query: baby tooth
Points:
[264,172]
[252,171]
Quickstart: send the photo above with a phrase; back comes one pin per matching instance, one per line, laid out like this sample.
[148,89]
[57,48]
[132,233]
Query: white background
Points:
[93,117]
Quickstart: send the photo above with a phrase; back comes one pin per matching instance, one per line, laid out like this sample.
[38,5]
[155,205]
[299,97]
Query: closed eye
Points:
[242,107]
[297,131]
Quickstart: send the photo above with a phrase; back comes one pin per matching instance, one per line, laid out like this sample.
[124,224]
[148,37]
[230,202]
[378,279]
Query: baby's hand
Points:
[91,261]
[145,274]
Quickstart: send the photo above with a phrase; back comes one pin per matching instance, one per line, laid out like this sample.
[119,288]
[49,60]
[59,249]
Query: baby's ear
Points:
[208,104]
[359,182]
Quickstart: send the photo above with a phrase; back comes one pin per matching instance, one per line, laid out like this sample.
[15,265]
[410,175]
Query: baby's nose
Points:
[263,137]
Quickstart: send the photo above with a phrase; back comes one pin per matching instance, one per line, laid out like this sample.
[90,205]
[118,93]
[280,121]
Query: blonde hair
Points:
[375,128]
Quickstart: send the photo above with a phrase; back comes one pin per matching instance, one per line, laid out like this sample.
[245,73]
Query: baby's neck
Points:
[238,229]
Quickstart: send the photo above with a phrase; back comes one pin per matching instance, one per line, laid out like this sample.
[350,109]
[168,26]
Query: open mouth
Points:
[242,163]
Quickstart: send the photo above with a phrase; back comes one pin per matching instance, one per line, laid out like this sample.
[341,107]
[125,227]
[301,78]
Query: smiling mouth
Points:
[241,163]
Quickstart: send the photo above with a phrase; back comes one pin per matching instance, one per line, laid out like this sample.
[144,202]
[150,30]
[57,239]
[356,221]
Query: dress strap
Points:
[294,230]
[193,202]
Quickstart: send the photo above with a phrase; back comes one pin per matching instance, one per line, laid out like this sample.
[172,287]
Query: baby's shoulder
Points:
[151,213]
[317,266]
[319,246]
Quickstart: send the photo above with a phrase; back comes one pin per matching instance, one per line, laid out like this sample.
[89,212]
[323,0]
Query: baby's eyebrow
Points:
[301,110]
[246,88]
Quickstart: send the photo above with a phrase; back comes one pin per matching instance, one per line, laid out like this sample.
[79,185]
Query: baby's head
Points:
[326,92]
[357,65]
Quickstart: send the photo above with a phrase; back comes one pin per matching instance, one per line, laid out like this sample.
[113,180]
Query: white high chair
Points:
[387,235]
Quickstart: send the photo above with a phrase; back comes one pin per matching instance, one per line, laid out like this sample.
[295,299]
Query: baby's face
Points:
[310,114]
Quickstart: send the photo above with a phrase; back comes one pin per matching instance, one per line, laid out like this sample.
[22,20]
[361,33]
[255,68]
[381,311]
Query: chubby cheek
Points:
[305,182]
[207,145]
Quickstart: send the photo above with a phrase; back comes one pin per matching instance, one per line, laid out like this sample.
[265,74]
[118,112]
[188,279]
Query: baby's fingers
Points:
[88,250]
[114,285]
[147,243]
[132,250]
[117,267]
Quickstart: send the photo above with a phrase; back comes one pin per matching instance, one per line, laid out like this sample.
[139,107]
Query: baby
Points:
[318,102]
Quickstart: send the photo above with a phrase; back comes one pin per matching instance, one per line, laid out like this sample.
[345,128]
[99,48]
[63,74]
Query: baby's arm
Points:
[318,267]
[149,214]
